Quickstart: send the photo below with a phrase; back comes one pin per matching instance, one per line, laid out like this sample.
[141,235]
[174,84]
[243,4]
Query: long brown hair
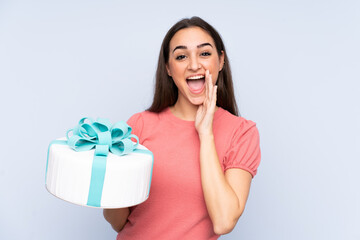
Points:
[166,92]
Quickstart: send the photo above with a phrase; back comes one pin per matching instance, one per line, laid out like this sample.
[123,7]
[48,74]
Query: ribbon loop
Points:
[120,130]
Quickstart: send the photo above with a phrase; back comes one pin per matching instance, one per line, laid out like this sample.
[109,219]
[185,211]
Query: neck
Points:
[185,110]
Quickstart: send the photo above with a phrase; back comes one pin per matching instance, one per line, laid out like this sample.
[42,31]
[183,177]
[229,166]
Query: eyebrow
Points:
[198,46]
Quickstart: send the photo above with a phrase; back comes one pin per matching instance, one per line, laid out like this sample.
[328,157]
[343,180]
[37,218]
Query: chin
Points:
[197,101]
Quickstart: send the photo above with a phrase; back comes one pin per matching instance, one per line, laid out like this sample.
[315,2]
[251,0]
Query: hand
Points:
[205,113]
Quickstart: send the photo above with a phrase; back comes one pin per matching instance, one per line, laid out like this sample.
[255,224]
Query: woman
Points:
[205,155]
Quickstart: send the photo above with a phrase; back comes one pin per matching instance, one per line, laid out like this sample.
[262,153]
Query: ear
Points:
[168,69]
[222,60]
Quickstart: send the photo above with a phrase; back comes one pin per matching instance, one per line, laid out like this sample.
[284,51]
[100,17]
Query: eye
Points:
[205,54]
[180,57]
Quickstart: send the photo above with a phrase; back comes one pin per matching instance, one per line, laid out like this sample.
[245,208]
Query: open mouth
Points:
[196,83]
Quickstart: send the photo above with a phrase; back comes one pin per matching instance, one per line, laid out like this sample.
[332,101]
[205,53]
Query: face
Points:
[192,52]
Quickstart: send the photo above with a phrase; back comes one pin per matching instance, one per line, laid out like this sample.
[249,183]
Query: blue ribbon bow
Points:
[102,136]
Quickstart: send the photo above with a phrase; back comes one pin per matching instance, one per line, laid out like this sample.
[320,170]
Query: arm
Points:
[116,217]
[225,194]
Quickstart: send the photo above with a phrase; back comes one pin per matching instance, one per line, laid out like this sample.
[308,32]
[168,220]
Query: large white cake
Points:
[126,182]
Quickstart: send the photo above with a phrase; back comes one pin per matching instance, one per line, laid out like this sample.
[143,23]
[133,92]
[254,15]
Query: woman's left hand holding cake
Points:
[117,217]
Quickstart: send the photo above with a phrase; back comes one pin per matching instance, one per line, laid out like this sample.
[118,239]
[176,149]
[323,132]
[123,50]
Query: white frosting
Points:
[126,183]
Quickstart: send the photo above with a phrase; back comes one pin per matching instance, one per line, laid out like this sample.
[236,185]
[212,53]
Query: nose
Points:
[194,64]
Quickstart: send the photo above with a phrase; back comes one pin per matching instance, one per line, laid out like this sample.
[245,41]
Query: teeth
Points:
[196,77]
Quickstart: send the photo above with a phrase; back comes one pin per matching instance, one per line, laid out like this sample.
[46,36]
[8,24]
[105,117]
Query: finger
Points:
[210,88]
[206,99]
[206,85]
[214,98]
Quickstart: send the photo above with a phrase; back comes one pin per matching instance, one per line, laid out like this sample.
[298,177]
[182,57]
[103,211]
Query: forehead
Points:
[191,37]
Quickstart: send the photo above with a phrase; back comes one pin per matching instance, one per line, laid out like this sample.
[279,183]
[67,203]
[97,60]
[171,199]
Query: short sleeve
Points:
[244,150]
[136,123]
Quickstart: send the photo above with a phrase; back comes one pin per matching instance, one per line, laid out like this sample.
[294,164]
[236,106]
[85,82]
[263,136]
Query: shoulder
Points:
[241,141]
[144,118]
[142,122]
[232,123]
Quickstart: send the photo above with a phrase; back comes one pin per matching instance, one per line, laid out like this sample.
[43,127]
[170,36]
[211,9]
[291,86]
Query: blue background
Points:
[296,67]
